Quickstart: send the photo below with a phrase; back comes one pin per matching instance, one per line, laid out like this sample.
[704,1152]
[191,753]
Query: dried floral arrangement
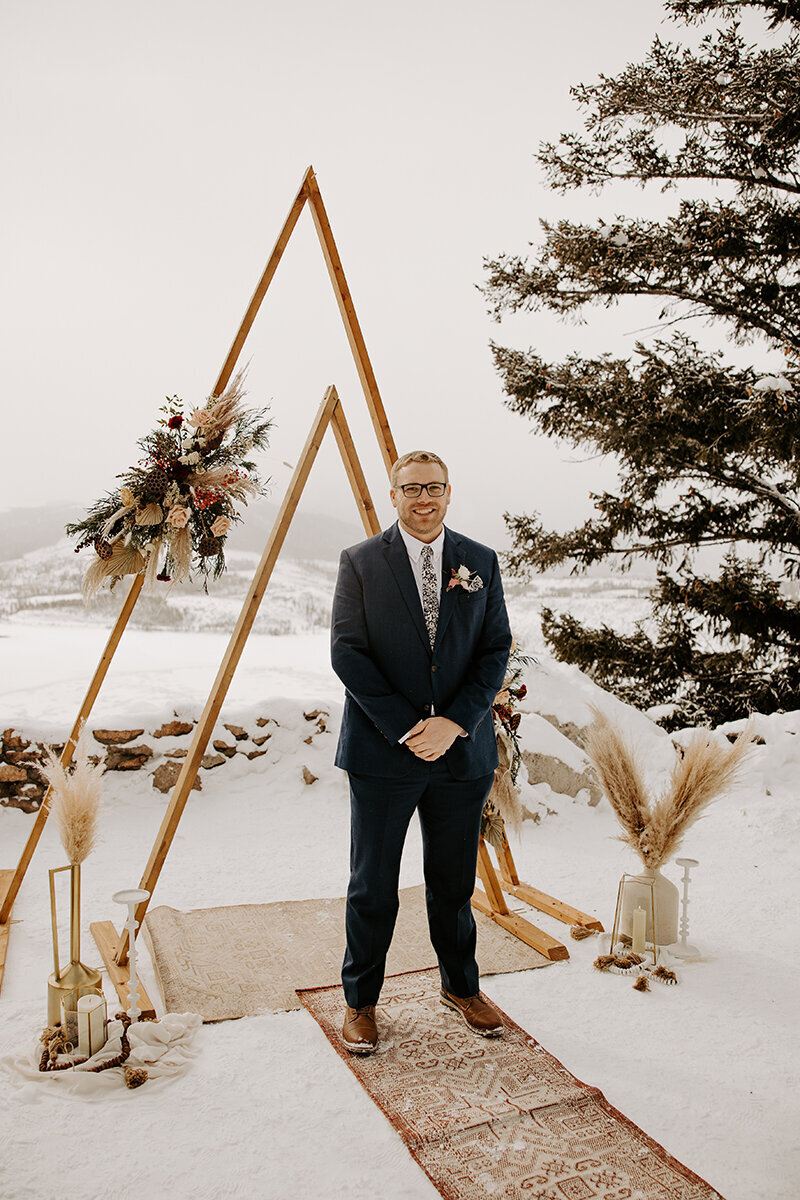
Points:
[654,827]
[174,509]
[75,799]
[502,805]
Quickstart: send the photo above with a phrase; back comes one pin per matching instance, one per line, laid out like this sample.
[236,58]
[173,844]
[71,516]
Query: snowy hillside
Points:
[43,587]
[707,1068]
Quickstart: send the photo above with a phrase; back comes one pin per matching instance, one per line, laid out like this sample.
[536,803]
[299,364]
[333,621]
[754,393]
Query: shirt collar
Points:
[414,546]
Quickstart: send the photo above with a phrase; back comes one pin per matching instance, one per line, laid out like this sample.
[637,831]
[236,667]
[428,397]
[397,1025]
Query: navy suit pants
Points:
[449,814]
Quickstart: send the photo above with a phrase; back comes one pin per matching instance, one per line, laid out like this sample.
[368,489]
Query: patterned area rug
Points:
[247,959]
[492,1119]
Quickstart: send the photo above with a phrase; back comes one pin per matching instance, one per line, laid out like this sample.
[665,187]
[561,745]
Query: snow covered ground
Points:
[267,1111]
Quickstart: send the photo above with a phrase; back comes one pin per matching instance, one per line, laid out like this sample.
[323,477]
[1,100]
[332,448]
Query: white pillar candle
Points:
[91,1024]
[639,927]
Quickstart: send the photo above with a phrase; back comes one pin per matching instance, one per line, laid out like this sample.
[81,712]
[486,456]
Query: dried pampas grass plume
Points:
[707,770]
[619,768]
[94,579]
[229,407]
[180,549]
[655,829]
[75,799]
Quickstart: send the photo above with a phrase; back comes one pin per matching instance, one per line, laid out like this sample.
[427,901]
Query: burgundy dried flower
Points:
[163,577]
[176,421]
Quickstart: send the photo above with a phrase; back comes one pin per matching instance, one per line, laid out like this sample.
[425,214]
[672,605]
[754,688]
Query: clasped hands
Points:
[432,737]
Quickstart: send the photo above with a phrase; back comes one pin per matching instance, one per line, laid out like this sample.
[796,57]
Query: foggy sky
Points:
[151,153]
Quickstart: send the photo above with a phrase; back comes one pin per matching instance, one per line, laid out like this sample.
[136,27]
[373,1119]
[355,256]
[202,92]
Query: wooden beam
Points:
[238,640]
[105,936]
[555,908]
[350,320]
[9,893]
[508,869]
[262,285]
[488,877]
[530,934]
[10,881]
[355,475]
[537,899]
[5,880]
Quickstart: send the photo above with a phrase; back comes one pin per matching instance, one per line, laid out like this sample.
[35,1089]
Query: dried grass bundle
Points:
[180,550]
[505,792]
[153,560]
[654,829]
[619,769]
[229,407]
[94,579]
[75,799]
[219,478]
[122,511]
[707,770]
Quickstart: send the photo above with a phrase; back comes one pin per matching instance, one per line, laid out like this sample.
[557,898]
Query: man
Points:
[420,640]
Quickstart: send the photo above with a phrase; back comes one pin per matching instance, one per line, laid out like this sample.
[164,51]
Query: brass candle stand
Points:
[67,984]
[638,882]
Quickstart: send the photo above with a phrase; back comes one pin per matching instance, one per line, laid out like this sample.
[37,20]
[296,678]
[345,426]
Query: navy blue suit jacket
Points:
[381,652]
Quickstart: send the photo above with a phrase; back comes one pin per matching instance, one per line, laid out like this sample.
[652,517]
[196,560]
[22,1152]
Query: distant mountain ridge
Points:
[311,535]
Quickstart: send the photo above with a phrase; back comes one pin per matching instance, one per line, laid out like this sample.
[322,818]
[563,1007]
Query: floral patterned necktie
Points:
[430,594]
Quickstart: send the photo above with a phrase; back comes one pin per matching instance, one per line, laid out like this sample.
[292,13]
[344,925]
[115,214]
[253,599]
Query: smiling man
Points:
[420,640]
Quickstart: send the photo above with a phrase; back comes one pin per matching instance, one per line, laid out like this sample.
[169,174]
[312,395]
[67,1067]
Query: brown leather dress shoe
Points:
[478,1013]
[359,1032]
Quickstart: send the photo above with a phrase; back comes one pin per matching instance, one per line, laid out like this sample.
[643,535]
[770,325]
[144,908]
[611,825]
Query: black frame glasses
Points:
[412,490]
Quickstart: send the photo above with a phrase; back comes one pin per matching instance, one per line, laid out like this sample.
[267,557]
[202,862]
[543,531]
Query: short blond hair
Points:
[422,456]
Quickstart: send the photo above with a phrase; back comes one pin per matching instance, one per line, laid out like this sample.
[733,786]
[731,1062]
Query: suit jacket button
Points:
[434,667]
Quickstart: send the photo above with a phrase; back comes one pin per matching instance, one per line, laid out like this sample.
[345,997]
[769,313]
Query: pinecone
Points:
[207,546]
[104,549]
[155,484]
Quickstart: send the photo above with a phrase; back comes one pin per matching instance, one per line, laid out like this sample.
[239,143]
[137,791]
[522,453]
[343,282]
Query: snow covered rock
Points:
[166,776]
[555,714]
[551,758]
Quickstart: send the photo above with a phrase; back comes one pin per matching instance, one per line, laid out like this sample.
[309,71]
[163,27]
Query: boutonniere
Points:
[470,581]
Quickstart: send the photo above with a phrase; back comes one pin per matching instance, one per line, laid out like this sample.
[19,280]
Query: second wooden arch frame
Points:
[114,947]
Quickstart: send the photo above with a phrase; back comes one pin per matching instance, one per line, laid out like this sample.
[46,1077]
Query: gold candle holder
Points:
[67,984]
[640,883]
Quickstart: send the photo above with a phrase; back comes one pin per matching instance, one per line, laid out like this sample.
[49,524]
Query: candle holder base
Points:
[680,951]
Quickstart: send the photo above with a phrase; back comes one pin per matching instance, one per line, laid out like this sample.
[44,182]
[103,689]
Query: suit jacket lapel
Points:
[448,599]
[397,557]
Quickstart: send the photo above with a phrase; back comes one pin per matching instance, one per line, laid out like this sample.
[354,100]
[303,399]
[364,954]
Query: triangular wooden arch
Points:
[114,949]
[308,193]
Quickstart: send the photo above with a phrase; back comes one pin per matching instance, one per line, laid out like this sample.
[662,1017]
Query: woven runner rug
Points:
[492,1119]
[246,959]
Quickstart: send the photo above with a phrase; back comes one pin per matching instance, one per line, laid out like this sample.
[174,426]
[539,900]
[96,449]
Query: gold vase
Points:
[66,985]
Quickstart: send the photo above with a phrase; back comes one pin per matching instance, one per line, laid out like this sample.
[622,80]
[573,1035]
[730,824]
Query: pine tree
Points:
[707,453]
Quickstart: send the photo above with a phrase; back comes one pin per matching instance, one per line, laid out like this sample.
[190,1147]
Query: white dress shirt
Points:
[415,547]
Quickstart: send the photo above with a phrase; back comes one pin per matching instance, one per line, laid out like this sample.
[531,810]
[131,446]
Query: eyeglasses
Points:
[412,490]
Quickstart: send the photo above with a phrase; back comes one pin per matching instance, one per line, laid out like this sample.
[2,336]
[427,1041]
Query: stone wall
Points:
[22,784]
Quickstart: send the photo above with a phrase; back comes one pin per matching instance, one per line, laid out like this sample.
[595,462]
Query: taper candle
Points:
[639,927]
